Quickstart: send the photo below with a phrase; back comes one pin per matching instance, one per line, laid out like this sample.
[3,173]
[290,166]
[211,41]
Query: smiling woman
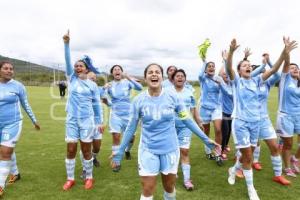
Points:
[158,151]
[84,115]
[12,94]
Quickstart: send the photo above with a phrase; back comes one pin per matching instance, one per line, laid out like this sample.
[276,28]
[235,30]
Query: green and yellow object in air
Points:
[203,49]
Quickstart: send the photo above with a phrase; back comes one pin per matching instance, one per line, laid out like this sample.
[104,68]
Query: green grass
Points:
[41,156]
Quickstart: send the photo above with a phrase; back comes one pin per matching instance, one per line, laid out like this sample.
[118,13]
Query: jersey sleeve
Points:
[258,70]
[202,72]
[273,79]
[69,69]
[130,129]
[135,85]
[25,104]
[97,108]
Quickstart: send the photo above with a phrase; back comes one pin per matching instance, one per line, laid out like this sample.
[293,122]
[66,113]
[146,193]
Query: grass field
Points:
[41,156]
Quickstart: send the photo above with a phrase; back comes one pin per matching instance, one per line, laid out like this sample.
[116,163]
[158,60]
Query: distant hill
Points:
[33,74]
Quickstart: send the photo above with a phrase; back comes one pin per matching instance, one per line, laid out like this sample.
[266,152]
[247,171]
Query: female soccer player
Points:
[227,108]
[184,134]
[12,95]
[288,119]
[119,92]
[246,114]
[169,82]
[210,104]
[84,114]
[158,150]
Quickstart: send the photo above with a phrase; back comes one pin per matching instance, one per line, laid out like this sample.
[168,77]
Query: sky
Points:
[135,33]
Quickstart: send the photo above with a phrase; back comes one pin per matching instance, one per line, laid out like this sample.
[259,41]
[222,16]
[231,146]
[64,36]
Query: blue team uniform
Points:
[210,100]
[246,112]
[119,93]
[12,97]
[266,130]
[184,134]
[83,106]
[288,120]
[158,148]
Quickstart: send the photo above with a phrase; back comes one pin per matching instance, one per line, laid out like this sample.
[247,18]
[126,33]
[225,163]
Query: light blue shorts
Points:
[184,137]
[208,115]
[266,130]
[288,125]
[117,124]
[150,164]
[10,133]
[97,135]
[245,134]
[82,129]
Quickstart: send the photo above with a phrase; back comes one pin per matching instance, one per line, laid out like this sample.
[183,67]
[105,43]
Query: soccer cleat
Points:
[88,183]
[252,194]
[239,173]
[127,155]
[231,176]
[210,156]
[83,175]
[188,185]
[96,162]
[219,161]
[68,185]
[227,149]
[295,165]
[282,180]
[224,156]
[289,172]
[117,168]
[13,178]
[257,166]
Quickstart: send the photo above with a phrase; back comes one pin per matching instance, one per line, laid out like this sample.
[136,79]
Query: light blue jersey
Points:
[167,83]
[245,95]
[84,98]
[264,90]
[158,113]
[210,90]
[12,97]
[186,95]
[289,95]
[227,97]
[119,93]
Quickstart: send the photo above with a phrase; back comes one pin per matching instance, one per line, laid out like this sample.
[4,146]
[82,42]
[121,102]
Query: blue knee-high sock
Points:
[4,171]
[186,170]
[170,196]
[277,165]
[248,173]
[70,167]
[256,154]
[88,166]
[14,168]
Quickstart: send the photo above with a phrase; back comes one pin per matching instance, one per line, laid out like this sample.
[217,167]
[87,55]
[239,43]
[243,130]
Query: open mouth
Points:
[248,70]
[154,80]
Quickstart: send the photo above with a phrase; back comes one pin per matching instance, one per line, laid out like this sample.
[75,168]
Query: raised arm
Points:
[229,69]
[247,53]
[202,70]
[135,85]
[69,68]
[289,46]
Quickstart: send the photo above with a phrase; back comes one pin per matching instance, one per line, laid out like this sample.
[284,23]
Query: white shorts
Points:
[150,164]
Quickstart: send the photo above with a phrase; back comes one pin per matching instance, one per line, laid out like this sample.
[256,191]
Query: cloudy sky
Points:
[134,33]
